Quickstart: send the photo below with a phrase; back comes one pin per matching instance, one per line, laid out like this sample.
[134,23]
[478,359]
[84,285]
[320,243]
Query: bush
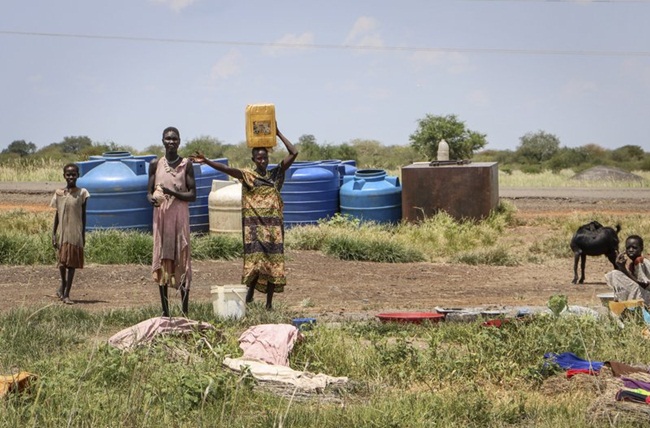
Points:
[386,251]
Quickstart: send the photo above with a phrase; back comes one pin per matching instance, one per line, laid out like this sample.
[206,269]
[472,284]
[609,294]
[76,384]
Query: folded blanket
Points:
[635,397]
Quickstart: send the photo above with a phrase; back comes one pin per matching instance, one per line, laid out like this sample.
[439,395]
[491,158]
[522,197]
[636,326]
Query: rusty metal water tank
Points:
[464,191]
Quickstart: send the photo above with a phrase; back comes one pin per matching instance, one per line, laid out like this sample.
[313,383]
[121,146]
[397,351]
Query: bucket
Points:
[229,301]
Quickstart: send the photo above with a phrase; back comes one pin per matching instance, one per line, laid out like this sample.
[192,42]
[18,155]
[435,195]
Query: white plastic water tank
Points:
[224,207]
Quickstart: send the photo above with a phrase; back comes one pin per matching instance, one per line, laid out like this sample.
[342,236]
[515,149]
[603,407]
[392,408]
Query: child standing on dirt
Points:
[70,223]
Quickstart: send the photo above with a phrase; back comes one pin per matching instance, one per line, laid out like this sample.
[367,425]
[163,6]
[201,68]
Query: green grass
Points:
[500,240]
[32,170]
[448,374]
[517,178]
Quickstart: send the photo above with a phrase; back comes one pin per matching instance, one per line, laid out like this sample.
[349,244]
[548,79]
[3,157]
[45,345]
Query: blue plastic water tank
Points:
[371,195]
[199,210]
[310,193]
[117,182]
[348,167]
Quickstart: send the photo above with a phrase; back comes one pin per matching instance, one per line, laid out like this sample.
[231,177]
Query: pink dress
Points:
[171,263]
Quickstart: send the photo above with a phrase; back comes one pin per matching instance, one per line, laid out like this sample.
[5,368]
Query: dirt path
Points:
[326,287]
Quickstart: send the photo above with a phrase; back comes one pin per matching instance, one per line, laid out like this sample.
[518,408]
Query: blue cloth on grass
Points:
[569,360]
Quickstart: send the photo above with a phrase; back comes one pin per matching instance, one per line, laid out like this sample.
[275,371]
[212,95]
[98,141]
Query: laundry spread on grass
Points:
[266,350]
[636,380]
[147,330]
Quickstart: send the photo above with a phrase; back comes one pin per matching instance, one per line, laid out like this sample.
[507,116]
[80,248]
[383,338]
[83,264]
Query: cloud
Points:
[227,66]
[175,5]
[365,32]
[286,44]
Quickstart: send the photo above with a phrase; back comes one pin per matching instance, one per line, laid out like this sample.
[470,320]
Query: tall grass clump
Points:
[348,238]
[377,249]
[19,248]
[20,220]
[116,247]
[221,246]
[32,169]
[441,237]
[563,178]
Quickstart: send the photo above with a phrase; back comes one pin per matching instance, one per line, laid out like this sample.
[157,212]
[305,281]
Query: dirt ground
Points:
[325,287]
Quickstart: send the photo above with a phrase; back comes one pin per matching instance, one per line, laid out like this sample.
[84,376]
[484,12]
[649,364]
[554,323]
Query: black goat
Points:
[593,239]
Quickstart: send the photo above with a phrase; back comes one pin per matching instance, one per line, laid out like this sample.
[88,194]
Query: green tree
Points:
[568,158]
[370,153]
[462,142]
[346,152]
[21,147]
[211,147]
[537,147]
[75,144]
[239,155]
[154,149]
[308,148]
[628,153]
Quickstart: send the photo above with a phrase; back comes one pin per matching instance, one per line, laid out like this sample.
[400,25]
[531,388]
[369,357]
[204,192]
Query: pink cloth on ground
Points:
[145,331]
[270,343]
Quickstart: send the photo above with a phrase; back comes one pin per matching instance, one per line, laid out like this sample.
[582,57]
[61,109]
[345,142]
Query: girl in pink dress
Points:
[171,188]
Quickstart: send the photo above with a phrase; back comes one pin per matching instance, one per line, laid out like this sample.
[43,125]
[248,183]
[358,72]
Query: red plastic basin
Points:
[411,317]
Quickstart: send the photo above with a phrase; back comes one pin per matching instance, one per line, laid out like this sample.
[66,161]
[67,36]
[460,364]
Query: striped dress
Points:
[263,229]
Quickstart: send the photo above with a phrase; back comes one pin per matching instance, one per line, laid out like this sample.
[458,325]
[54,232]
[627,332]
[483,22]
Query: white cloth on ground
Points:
[277,373]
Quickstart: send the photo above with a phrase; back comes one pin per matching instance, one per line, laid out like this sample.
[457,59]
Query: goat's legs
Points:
[575,268]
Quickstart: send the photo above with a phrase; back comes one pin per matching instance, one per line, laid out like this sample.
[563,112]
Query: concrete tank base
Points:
[468,191]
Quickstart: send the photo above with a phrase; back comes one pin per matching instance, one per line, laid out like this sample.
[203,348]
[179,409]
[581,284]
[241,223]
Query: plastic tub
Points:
[411,317]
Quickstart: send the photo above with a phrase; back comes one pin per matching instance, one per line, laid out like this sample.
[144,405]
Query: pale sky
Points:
[122,70]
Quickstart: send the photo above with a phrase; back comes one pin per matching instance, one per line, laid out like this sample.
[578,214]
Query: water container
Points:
[199,212]
[371,195]
[117,182]
[260,125]
[348,167]
[229,301]
[224,205]
[443,151]
[310,193]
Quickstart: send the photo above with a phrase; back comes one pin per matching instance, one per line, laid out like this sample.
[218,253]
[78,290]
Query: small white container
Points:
[229,301]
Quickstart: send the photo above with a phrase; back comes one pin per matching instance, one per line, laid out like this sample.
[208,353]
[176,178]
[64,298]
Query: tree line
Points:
[537,151]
